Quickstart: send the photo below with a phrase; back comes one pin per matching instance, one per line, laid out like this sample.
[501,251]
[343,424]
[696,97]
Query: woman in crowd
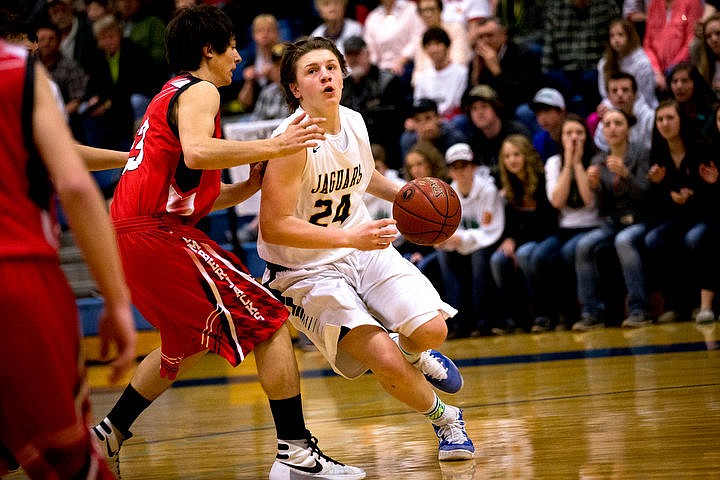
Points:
[619,177]
[549,268]
[709,52]
[674,178]
[624,53]
[529,219]
[692,93]
[703,238]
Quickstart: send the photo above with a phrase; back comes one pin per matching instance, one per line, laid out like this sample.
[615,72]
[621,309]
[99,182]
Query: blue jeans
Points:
[667,263]
[511,287]
[630,246]
[548,267]
[702,244]
[469,287]
[586,269]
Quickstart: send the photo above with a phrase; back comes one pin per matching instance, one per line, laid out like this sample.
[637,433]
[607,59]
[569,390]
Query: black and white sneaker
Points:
[110,442]
[302,459]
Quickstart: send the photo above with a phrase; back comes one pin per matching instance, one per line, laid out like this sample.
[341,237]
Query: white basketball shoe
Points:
[110,442]
[303,459]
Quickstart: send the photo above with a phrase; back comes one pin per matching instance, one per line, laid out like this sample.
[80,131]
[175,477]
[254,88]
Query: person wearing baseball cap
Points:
[548,105]
[489,127]
[464,258]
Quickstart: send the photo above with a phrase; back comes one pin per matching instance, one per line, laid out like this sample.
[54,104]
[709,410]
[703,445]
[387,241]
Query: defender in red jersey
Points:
[199,296]
[39,341]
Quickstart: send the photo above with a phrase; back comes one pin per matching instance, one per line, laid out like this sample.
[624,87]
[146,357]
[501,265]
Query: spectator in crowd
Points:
[464,258]
[76,36]
[489,127]
[511,69]
[549,107]
[702,240]
[425,123]
[523,20]
[623,95]
[464,12]
[709,53]
[379,95]
[693,94]
[670,28]
[529,219]
[256,63]
[431,14]
[335,25]
[573,41]
[445,81]
[550,267]
[143,28]
[392,31]
[674,179]
[378,207]
[271,100]
[423,160]
[95,9]
[619,178]
[624,53]
[118,92]
[636,12]
[65,72]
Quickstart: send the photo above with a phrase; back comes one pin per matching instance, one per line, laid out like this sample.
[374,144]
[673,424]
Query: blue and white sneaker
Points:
[454,442]
[440,371]
[300,459]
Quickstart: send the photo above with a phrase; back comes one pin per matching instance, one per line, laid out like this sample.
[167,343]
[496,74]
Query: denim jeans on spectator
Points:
[667,263]
[511,287]
[586,269]
[549,270]
[630,247]
[702,244]
[469,288]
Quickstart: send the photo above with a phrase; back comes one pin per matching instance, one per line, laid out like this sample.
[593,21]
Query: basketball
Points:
[427,211]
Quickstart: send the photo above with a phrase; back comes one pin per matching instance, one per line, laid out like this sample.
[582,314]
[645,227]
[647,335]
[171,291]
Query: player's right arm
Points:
[85,210]
[280,191]
[196,110]
[101,158]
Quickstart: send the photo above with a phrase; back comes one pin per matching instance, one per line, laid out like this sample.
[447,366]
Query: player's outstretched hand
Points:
[302,132]
[375,235]
[117,326]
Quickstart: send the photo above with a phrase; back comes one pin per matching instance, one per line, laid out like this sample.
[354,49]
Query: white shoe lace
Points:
[429,365]
[453,432]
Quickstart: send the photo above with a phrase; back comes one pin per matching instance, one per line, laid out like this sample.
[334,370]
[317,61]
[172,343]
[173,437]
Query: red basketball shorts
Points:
[199,296]
[44,408]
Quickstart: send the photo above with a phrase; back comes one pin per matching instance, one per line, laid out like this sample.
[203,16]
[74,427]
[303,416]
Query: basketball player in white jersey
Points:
[344,284]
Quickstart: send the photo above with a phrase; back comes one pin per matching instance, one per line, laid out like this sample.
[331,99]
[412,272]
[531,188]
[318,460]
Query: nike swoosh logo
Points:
[317,468]
[315,149]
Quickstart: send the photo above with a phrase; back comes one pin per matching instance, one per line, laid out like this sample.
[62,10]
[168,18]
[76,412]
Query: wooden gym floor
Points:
[607,404]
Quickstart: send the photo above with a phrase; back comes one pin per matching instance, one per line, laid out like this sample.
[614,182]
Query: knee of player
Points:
[431,334]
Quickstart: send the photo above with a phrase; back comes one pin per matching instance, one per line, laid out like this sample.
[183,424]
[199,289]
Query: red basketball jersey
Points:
[27,229]
[156,180]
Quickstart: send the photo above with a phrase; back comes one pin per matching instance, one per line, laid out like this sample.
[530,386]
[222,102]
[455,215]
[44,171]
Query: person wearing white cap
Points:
[549,108]
[465,257]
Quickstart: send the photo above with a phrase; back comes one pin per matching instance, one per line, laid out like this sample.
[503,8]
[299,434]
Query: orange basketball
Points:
[427,211]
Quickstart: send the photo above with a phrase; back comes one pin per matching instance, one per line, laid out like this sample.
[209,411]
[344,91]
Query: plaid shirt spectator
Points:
[576,33]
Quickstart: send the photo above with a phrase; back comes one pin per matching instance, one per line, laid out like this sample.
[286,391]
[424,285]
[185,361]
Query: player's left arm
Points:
[382,187]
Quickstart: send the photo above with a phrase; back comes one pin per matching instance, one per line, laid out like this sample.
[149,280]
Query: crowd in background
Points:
[580,135]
